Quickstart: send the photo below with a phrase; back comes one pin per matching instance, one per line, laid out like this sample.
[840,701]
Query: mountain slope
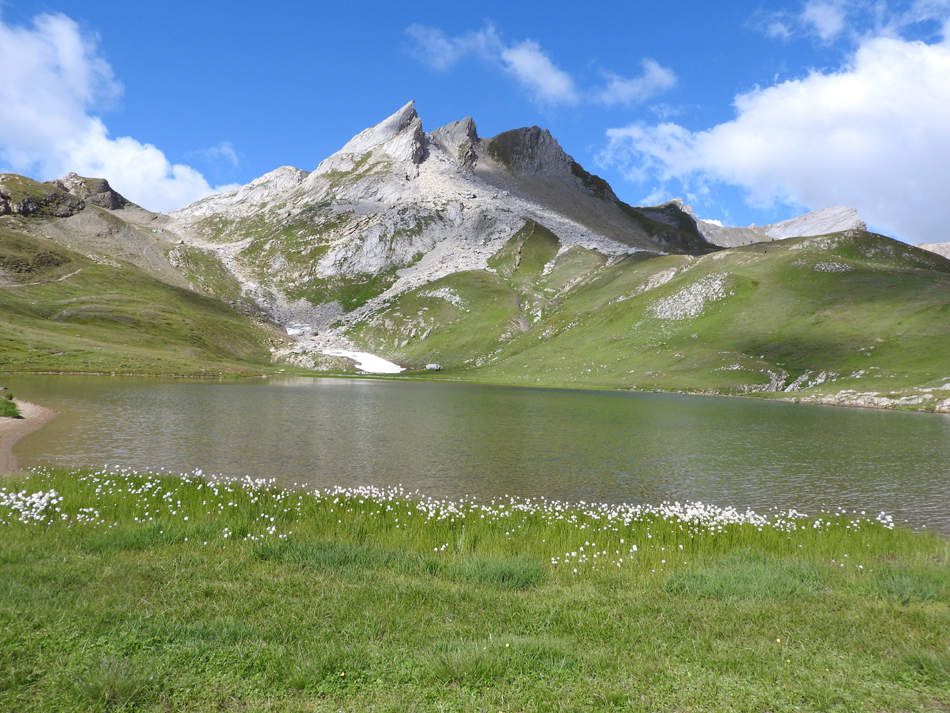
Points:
[64,311]
[939,248]
[807,318]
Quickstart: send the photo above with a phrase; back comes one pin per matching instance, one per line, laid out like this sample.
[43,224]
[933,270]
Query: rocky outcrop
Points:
[94,191]
[459,141]
[61,198]
[530,151]
[23,196]
[399,136]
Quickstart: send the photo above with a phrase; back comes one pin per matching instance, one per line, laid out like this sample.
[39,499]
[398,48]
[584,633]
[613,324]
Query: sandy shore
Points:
[13,429]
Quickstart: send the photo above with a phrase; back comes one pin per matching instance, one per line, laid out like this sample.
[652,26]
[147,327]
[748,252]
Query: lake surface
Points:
[451,439]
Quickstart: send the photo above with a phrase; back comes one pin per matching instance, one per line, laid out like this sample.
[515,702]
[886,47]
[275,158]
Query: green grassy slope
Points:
[851,311]
[157,594]
[63,311]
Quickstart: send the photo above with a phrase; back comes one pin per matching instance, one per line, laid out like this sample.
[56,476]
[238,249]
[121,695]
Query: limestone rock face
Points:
[259,194]
[399,136]
[817,222]
[530,151]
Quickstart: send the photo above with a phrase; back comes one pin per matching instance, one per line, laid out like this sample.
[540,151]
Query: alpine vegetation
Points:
[155,591]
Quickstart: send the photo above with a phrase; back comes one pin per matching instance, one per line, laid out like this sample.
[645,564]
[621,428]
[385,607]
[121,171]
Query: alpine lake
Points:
[451,439]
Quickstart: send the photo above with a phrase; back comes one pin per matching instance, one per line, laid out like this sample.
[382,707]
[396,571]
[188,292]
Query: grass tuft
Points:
[747,575]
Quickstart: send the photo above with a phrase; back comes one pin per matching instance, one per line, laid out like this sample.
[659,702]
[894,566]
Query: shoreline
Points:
[13,429]
[427,377]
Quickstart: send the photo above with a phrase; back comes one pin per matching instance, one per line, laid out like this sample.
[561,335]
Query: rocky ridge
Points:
[816,222]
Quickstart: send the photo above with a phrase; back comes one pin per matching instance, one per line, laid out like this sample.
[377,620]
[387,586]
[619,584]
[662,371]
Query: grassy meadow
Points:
[123,591]
[62,311]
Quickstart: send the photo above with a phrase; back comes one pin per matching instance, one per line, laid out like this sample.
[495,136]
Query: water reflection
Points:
[452,439]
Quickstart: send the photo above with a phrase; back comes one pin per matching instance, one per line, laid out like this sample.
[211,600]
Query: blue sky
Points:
[214,93]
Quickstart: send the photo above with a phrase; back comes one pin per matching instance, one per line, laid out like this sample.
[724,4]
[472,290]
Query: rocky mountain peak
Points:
[459,140]
[817,222]
[530,150]
[399,135]
[96,191]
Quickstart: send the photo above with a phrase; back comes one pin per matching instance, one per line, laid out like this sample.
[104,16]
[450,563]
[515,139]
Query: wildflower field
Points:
[124,591]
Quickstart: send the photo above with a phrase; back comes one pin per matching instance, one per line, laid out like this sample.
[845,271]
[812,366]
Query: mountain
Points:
[500,259]
[939,248]
[816,222]
[397,207]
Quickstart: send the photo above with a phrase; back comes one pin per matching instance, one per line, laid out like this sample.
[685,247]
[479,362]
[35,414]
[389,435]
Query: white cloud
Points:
[777,29]
[223,151]
[872,135]
[525,61]
[433,47]
[826,19]
[528,64]
[531,66]
[654,80]
[52,78]
[855,20]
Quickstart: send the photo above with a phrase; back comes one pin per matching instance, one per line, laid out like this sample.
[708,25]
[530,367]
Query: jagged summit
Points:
[389,128]
[400,136]
[459,140]
[529,150]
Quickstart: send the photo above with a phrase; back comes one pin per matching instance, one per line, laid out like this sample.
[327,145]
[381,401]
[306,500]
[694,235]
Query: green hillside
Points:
[816,316]
[62,311]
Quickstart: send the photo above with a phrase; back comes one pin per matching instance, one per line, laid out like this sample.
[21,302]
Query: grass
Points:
[8,409]
[351,292]
[206,272]
[134,592]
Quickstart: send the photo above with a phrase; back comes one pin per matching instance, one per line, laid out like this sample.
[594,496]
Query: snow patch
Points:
[366,362]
